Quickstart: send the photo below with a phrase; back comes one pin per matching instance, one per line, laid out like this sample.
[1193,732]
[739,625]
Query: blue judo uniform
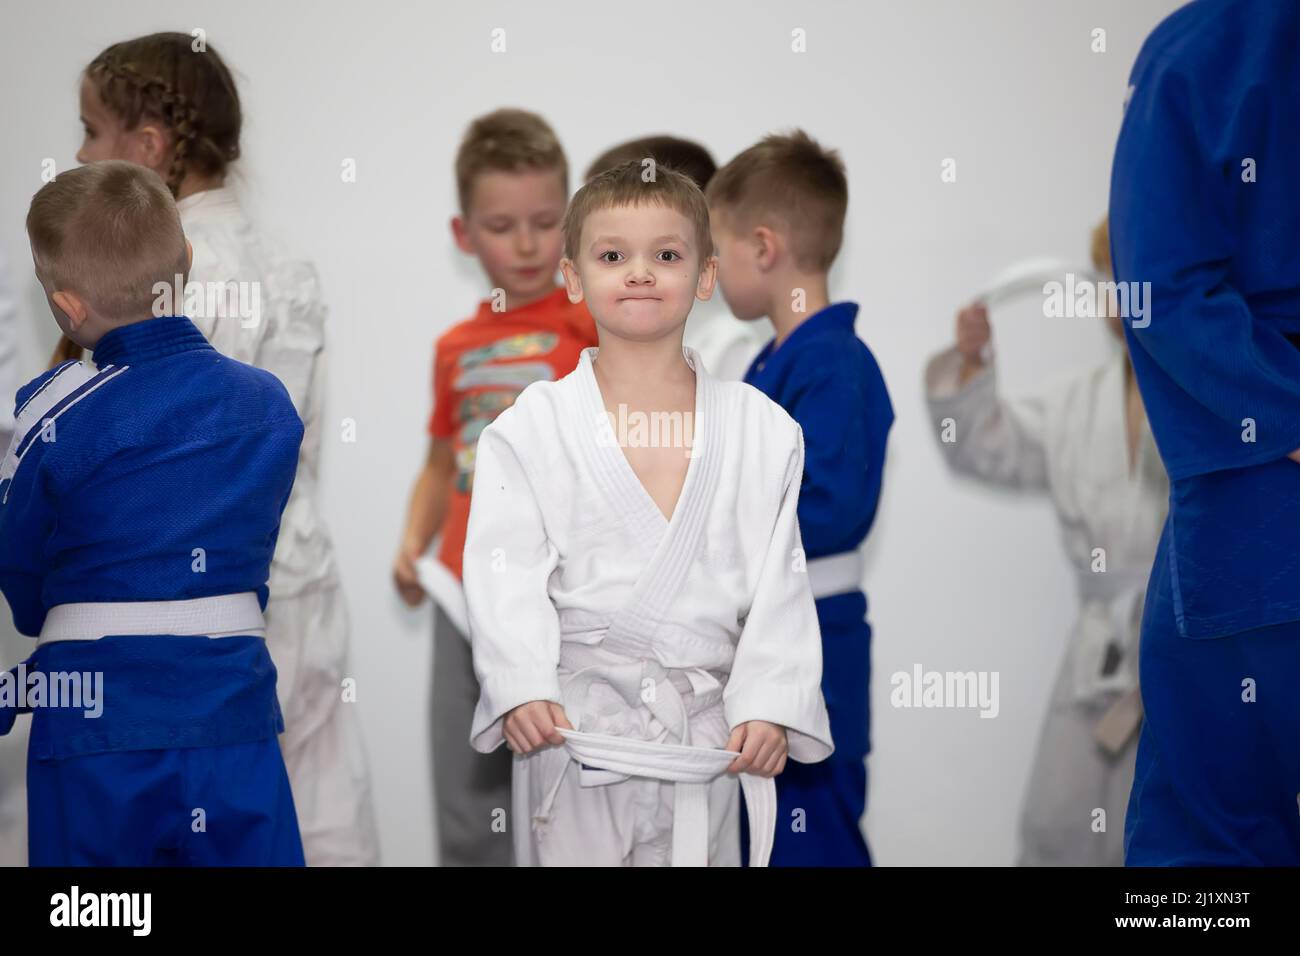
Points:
[828,381]
[1205,206]
[158,476]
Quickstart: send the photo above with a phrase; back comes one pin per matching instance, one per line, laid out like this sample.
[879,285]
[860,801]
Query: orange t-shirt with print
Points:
[480,366]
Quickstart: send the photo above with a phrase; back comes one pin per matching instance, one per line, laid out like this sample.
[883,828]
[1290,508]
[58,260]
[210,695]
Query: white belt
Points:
[446,590]
[836,573]
[224,615]
[690,769]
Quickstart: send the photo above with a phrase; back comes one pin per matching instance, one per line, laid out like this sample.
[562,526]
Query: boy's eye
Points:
[90,133]
[603,257]
[669,252]
[547,223]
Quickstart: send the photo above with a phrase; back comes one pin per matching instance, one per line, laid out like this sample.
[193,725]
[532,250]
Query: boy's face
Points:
[739,275]
[638,269]
[513,227]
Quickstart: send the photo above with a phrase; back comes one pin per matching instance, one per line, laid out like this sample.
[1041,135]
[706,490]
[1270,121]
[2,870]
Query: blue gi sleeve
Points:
[27,517]
[26,523]
[1178,202]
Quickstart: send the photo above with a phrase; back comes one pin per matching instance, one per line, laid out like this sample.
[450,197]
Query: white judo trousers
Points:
[269,313]
[1071,443]
[658,636]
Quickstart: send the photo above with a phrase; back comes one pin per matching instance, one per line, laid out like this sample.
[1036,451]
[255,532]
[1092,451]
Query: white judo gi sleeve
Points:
[508,559]
[1003,443]
[777,671]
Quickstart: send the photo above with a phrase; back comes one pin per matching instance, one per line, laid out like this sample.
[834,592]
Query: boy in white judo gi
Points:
[633,567]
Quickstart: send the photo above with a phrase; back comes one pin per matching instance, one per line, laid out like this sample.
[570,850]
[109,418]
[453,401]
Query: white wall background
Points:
[959,578]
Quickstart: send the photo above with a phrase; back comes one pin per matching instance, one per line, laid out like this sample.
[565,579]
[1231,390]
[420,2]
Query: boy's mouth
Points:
[640,298]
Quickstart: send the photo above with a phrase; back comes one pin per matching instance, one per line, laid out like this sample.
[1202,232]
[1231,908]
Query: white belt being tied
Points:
[223,615]
[690,769]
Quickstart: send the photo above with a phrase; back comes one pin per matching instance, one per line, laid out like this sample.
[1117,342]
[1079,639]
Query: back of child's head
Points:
[163,78]
[791,181]
[507,140]
[109,232]
[684,155]
[635,184]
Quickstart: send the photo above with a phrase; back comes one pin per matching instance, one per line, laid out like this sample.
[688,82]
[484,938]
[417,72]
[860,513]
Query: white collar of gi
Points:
[621,483]
[223,197]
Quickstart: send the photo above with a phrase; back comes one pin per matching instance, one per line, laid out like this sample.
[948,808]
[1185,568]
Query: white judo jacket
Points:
[277,323]
[647,629]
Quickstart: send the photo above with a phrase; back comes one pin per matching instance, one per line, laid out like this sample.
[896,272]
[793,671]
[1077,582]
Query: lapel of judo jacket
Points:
[672,544]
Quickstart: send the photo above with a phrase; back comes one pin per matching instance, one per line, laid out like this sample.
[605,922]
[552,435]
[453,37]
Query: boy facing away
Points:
[778,213]
[512,182]
[140,502]
[633,568]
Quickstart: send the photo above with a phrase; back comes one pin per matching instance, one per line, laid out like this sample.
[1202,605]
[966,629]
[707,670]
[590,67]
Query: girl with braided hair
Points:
[160,102]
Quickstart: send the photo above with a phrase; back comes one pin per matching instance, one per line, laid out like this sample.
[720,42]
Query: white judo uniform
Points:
[1071,442]
[657,636]
[275,319]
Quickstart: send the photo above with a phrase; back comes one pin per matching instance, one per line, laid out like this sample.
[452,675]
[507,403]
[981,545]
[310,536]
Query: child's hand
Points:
[973,336]
[1295,456]
[763,748]
[973,332]
[404,577]
[532,725]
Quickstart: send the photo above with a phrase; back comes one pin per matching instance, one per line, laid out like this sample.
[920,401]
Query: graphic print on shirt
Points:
[481,368]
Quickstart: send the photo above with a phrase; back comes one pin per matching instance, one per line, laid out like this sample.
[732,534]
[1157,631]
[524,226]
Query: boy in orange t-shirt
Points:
[512,180]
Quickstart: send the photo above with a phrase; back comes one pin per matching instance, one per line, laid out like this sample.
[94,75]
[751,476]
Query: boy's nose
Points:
[640,273]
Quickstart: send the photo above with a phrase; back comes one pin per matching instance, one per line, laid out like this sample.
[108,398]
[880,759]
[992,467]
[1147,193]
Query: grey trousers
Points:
[472,790]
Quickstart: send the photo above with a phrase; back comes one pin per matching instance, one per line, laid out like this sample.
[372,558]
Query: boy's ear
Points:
[71,305]
[767,244]
[460,233]
[572,281]
[708,279]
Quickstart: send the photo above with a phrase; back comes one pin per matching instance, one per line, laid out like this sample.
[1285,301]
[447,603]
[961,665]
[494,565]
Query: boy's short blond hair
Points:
[630,184]
[507,140]
[109,232]
[791,181]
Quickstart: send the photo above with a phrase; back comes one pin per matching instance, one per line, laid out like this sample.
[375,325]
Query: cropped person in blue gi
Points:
[778,218]
[1205,207]
[140,502]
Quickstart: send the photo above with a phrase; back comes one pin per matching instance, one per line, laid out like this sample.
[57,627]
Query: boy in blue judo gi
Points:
[140,501]
[1205,208]
[777,211]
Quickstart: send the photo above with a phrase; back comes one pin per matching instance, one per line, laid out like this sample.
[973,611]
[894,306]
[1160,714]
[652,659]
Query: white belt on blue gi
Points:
[222,615]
